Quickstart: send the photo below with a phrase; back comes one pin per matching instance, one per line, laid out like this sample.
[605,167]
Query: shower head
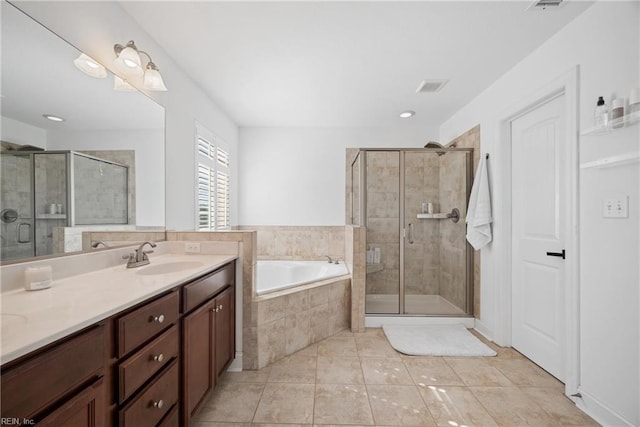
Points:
[433,144]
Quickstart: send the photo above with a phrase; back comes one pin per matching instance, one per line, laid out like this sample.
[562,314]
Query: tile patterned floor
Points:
[358,379]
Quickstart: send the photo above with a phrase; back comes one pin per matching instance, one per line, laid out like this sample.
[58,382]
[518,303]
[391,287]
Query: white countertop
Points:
[32,319]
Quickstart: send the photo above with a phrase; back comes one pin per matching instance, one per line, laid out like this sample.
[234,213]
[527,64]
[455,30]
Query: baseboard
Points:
[236,365]
[371,321]
[483,330]
[599,411]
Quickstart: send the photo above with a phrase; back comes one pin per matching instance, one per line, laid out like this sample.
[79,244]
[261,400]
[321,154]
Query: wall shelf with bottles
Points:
[629,120]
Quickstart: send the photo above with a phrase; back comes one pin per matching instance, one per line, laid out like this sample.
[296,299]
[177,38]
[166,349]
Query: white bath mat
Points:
[435,340]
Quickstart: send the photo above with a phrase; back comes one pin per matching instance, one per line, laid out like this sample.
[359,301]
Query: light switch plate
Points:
[616,206]
[192,247]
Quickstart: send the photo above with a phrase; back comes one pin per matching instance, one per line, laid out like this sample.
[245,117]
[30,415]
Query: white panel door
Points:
[539,206]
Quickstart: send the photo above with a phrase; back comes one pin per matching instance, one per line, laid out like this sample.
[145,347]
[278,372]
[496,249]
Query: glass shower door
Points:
[382,220]
[436,258]
[16,199]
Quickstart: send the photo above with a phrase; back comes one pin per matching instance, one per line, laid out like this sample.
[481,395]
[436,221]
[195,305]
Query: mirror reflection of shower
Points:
[411,202]
[44,192]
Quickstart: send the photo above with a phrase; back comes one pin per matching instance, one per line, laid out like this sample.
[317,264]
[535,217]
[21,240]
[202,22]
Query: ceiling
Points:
[335,63]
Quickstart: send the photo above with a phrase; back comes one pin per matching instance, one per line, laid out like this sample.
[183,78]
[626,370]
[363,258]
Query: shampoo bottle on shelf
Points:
[376,255]
[601,114]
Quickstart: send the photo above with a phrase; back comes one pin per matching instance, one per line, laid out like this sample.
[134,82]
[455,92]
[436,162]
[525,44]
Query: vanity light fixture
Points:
[53,118]
[122,85]
[129,63]
[407,114]
[90,66]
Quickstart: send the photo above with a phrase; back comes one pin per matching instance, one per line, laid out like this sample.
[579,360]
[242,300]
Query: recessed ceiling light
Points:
[407,114]
[53,118]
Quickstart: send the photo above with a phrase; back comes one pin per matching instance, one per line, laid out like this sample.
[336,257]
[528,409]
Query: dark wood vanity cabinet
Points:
[150,365]
[208,336]
[148,347]
[61,384]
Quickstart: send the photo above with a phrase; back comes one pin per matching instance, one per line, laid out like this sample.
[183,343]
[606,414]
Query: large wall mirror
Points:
[100,169]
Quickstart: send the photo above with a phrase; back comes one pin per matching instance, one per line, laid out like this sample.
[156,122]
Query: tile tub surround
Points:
[246,326]
[290,320]
[358,379]
[91,290]
[299,242]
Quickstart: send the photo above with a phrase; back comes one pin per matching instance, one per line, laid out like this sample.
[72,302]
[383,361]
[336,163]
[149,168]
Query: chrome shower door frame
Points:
[404,227]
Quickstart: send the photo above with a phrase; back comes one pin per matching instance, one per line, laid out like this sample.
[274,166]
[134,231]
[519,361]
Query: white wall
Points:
[296,176]
[604,42]
[94,27]
[149,167]
[21,133]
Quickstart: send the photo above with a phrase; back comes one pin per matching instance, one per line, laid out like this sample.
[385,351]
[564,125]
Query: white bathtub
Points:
[277,275]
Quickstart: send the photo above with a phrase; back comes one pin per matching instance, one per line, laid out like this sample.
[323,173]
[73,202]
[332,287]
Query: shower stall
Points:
[44,190]
[413,203]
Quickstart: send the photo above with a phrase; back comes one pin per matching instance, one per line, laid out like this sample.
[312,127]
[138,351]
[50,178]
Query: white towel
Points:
[479,217]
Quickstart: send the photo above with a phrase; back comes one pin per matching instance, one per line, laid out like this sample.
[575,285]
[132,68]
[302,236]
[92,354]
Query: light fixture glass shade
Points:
[89,66]
[128,62]
[122,85]
[153,80]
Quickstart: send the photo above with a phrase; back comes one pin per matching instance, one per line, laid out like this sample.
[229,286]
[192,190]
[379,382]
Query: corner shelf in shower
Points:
[51,216]
[374,268]
[434,216]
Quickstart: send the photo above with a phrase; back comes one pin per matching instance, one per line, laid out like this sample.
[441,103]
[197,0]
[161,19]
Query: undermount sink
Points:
[169,267]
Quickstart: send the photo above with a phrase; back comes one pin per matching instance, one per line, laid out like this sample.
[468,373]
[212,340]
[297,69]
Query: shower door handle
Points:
[411,233]
[19,232]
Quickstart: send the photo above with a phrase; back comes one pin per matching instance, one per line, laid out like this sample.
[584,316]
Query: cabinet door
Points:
[84,410]
[198,329]
[225,330]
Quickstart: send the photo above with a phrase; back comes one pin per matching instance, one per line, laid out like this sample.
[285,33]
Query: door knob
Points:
[558,254]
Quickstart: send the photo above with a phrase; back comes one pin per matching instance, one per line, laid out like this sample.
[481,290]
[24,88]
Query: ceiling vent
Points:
[545,4]
[430,86]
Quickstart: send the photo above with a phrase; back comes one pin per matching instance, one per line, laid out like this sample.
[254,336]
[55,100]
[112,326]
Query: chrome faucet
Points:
[95,245]
[139,258]
[333,261]
[329,258]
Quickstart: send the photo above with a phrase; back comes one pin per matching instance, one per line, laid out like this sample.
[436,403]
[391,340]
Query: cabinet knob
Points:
[220,307]
[159,404]
[158,357]
[157,319]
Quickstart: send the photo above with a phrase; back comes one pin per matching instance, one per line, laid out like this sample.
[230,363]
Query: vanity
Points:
[119,346]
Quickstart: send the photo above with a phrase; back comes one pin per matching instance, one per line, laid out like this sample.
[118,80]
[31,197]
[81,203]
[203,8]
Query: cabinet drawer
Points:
[35,384]
[154,401]
[84,410]
[142,365]
[142,324]
[172,419]
[203,289]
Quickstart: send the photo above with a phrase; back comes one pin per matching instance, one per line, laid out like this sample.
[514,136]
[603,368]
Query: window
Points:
[212,185]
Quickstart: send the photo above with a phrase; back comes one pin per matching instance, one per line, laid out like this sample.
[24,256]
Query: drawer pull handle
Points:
[159,404]
[157,319]
[220,307]
[158,358]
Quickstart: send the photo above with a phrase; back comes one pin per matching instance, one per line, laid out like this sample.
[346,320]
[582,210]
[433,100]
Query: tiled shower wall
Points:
[16,190]
[471,139]
[451,242]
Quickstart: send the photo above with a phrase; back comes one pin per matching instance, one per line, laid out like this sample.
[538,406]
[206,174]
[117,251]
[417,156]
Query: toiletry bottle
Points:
[617,112]
[601,114]
[376,256]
